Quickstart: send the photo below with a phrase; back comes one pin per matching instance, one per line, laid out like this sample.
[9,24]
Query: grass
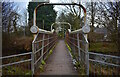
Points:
[18,69]
[103,47]
[43,62]
[98,69]
[12,70]
[70,50]
[41,67]
[16,45]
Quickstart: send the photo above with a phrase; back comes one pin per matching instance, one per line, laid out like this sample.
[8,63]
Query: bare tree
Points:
[92,14]
[6,10]
[10,16]
[111,14]
[72,14]
[24,20]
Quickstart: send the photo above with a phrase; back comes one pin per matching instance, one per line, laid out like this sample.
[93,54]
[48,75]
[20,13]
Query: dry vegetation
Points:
[13,44]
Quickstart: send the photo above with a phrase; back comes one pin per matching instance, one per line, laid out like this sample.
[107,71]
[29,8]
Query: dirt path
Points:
[59,63]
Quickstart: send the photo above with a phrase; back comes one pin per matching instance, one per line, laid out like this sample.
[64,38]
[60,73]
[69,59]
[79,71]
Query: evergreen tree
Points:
[45,15]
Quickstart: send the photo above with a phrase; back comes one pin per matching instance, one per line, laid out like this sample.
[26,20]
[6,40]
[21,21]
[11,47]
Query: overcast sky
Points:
[24,3]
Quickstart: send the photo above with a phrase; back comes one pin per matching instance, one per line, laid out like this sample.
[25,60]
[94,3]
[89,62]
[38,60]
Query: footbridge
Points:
[66,56]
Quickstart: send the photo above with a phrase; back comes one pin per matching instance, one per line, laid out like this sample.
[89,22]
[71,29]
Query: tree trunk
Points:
[14,24]
[92,16]
[9,25]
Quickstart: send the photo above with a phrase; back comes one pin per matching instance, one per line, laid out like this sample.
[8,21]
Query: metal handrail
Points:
[76,39]
[45,31]
[43,4]
[23,54]
[35,29]
[110,64]
[17,55]
[42,55]
[61,23]
[9,64]
[86,57]
[35,37]
[77,47]
[43,40]
[34,52]
[43,47]
[99,54]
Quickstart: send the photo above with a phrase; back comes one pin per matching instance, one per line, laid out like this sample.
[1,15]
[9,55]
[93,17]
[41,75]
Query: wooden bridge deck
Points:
[60,62]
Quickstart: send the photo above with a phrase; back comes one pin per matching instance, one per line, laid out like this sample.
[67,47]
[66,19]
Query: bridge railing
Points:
[41,46]
[102,64]
[79,49]
[91,63]
[24,62]
[12,64]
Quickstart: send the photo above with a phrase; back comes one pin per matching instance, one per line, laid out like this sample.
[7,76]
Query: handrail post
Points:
[48,43]
[79,56]
[73,43]
[42,46]
[87,54]
[32,57]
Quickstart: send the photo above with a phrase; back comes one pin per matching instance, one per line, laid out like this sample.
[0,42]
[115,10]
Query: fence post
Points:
[87,54]
[78,42]
[48,44]
[32,57]
[42,47]
[73,43]
[87,60]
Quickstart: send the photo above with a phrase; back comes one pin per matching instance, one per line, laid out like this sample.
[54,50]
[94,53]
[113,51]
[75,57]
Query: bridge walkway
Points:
[59,62]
